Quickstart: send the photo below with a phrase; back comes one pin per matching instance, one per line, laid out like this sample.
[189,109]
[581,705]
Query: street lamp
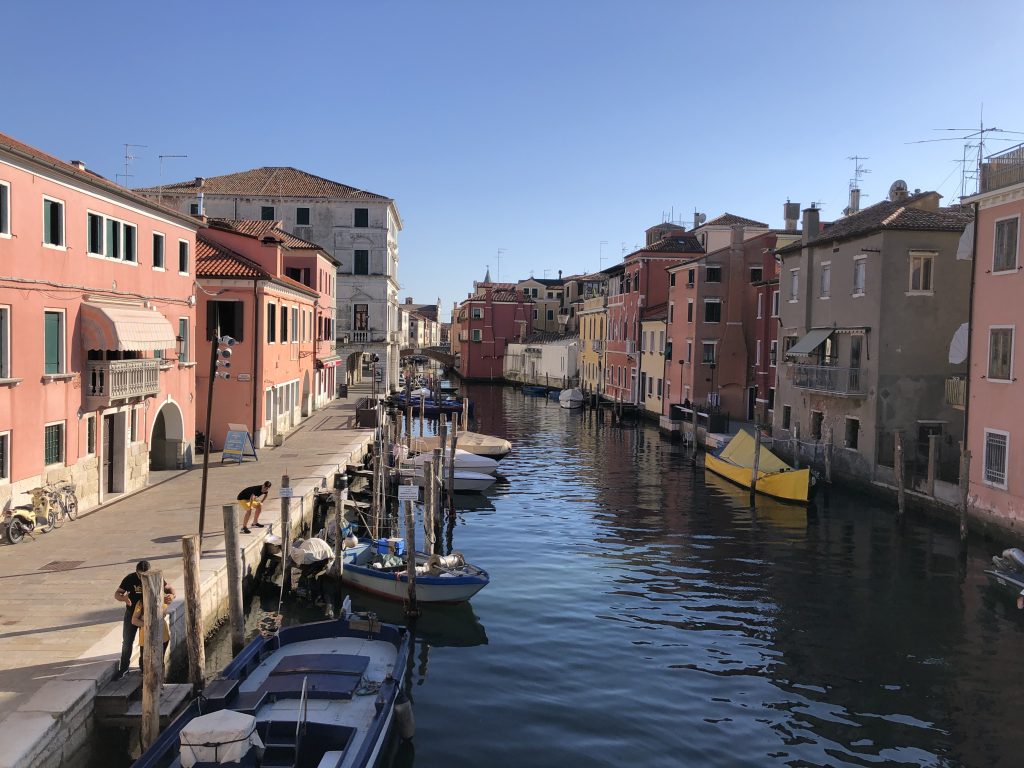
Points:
[220,358]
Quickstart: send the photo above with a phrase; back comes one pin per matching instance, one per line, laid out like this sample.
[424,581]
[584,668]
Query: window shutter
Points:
[52,345]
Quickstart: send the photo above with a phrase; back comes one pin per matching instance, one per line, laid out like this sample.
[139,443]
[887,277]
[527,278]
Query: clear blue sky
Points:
[536,126]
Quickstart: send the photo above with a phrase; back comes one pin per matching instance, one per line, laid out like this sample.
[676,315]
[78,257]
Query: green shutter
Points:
[53,342]
[47,223]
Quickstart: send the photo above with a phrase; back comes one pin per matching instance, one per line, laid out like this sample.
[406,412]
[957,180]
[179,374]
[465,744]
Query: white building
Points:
[544,358]
[358,228]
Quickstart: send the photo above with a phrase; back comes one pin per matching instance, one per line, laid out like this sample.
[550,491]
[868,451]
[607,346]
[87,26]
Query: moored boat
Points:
[570,398]
[439,579]
[534,390]
[464,460]
[320,694]
[465,481]
[735,462]
[495,448]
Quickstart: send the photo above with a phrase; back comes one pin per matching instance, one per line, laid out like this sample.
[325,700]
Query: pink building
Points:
[644,283]
[995,419]
[97,318]
[483,325]
[283,360]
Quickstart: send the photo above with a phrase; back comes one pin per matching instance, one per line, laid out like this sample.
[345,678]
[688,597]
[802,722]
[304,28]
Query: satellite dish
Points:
[898,189]
[701,218]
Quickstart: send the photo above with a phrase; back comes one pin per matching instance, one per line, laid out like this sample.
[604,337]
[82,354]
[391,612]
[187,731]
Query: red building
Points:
[484,324]
[644,283]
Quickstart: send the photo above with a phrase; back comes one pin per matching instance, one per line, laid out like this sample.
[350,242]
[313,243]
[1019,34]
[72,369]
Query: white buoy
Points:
[405,721]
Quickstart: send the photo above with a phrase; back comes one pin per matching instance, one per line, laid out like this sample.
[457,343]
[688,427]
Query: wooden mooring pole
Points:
[965,486]
[340,495]
[757,462]
[899,469]
[465,414]
[429,510]
[194,631]
[828,457]
[451,471]
[152,654]
[233,554]
[286,544]
[411,608]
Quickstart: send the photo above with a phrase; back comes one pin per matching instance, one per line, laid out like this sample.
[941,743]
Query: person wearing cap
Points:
[129,592]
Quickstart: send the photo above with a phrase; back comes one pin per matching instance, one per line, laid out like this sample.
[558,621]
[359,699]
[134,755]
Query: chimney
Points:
[559,274]
[811,222]
[79,165]
[408,299]
[854,202]
[201,211]
[200,181]
[791,214]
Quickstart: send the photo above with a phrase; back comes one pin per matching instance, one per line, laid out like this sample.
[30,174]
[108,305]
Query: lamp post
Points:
[220,354]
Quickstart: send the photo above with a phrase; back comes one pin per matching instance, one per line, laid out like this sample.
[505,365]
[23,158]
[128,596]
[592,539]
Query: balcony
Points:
[364,337]
[1003,170]
[956,392]
[830,379]
[106,382]
[597,345]
[630,347]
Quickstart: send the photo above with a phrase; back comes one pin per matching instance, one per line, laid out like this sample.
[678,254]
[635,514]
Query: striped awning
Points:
[125,328]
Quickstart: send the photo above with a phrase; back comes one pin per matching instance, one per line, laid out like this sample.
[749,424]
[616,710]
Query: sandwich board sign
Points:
[238,444]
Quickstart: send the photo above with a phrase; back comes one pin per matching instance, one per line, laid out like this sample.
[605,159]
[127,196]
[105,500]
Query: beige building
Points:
[653,328]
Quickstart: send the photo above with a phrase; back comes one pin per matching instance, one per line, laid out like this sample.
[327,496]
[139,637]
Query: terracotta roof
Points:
[497,286]
[270,181]
[685,243]
[889,215]
[539,337]
[513,296]
[260,229]
[728,219]
[666,225]
[216,260]
[89,177]
[657,312]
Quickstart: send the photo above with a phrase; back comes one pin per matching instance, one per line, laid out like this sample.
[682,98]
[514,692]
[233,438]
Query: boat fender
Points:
[349,542]
[405,721]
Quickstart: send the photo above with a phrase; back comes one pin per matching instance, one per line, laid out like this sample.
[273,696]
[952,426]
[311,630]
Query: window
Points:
[53,347]
[825,283]
[757,354]
[295,324]
[672,280]
[852,431]
[712,310]
[5,342]
[1004,257]
[708,355]
[95,225]
[771,398]
[671,312]
[302,217]
[272,323]
[53,222]
[477,334]
[536,314]
[267,213]
[794,284]
[713,274]
[787,413]
[53,443]
[817,417]
[158,251]
[183,257]
[133,426]
[756,274]
[775,303]
[689,310]
[184,340]
[661,341]
[659,388]
[997,452]
[690,277]
[362,263]
[773,355]
[361,217]
[193,209]
[855,348]
[284,324]
[760,306]
[90,434]
[689,350]
[5,456]
[921,263]
[228,317]
[112,247]
[5,210]
[551,314]
[1000,354]
[859,270]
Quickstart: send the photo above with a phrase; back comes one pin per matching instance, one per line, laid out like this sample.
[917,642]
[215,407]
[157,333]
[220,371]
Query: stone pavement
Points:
[59,622]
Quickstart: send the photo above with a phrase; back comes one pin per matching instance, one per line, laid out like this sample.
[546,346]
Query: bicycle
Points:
[64,501]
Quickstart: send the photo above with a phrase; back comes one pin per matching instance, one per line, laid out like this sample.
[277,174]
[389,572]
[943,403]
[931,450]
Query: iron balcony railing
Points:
[956,391]
[1003,170]
[828,378]
[108,381]
[368,337]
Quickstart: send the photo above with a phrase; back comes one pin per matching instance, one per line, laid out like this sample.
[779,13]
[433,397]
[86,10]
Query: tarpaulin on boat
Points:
[221,738]
[740,451]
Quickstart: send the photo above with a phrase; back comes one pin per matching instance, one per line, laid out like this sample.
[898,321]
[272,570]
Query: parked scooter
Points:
[27,518]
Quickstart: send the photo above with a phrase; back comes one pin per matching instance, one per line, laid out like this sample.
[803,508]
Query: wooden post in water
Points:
[465,414]
[828,457]
[411,608]
[286,501]
[194,633]
[429,508]
[153,654]
[233,554]
[796,445]
[408,426]
[442,445]
[340,494]
[898,467]
[965,485]
[757,461]
[423,410]
[451,472]
[933,463]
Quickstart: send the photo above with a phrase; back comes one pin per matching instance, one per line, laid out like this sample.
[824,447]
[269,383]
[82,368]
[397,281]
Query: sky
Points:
[551,132]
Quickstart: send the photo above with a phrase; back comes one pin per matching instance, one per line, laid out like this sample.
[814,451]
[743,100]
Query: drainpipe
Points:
[256,378]
[970,327]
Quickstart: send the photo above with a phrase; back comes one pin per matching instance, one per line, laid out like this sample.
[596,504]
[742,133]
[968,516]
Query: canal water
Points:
[641,613]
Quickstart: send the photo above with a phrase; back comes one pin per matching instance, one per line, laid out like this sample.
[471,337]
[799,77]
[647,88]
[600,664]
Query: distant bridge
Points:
[439,354]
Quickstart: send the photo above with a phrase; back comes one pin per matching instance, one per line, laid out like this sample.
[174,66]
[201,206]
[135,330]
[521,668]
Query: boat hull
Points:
[394,585]
[472,442]
[787,486]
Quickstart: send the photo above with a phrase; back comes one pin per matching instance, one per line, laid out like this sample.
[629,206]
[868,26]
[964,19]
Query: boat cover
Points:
[740,451]
[221,737]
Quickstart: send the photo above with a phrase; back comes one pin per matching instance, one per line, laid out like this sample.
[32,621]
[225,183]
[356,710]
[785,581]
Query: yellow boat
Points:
[775,477]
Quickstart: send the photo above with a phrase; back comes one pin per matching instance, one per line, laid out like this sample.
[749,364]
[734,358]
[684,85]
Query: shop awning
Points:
[810,342]
[329,362]
[125,328]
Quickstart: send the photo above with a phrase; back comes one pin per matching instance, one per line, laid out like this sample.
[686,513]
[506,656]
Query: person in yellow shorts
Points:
[252,499]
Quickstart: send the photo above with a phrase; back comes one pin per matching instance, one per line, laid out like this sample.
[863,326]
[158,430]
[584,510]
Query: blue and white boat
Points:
[439,579]
[535,390]
[321,695]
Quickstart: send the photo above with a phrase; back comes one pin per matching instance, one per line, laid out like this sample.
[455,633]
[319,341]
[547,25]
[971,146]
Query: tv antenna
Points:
[128,157]
[498,268]
[858,171]
[160,194]
[600,254]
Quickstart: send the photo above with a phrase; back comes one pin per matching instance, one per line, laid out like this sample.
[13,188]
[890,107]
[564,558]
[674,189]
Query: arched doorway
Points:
[167,438]
[306,399]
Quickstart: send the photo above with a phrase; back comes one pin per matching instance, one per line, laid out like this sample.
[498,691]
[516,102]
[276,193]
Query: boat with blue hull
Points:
[380,568]
[320,695]
[534,390]
[431,407]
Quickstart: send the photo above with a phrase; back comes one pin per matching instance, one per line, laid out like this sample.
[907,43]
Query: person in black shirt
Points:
[252,499]
[129,592]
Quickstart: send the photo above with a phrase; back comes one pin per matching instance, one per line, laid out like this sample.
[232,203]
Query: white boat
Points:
[571,398]
[464,460]
[438,579]
[472,442]
[465,481]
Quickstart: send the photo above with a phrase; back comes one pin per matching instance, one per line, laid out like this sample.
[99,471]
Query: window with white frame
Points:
[5,456]
[1000,353]
[661,342]
[94,225]
[708,351]
[53,443]
[794,284]
[1004,255]
[757,354]
[183,257]
[860,265]
[90,434]
[775,303]
[158,251]
[689,310]
[712,274]
[53,342]
[825,280]
[53,222]
[295,324]
[997,454]
[133,426]
[760,305]
[922,264]
[773,358]
[712,310]
[671,311]
[5,209]
[5,342]
[478,313]
[477,334]
[689,350]
[184,341]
